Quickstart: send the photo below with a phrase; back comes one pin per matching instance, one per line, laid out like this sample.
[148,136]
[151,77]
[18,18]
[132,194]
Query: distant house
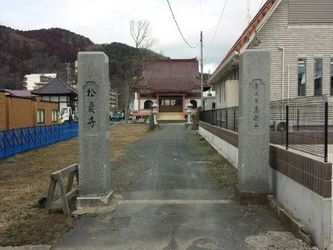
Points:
[171,83]
[18,93]
[299,35]
[58,91]
[35,81]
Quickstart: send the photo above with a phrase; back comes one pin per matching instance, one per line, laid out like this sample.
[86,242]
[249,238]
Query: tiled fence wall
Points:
[301,183]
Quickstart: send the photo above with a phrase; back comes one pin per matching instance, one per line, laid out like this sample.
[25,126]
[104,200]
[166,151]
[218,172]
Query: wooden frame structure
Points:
[65,195]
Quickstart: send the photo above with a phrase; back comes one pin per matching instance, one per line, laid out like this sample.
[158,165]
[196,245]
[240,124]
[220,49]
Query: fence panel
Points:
[301,124]
[19,140]
[308,127]
[226,118]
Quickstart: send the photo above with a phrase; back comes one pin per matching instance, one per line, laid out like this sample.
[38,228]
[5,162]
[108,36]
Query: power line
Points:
[217,27]
[174,18]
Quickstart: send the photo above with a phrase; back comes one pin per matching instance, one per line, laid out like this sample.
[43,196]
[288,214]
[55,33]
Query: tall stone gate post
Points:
[254,114]
[94,132]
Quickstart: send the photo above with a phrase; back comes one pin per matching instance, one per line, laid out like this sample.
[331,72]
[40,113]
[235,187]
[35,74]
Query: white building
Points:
[34,81]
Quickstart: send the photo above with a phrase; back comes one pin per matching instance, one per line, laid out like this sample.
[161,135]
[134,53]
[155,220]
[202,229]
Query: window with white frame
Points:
[40,116]
[301,77]
[318,78]
[54,115]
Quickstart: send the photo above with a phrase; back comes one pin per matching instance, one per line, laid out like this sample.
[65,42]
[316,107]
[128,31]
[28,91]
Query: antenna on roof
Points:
[248,17]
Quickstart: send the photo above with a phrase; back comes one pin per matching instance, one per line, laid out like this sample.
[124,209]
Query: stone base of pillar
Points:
[188,125]
[251,198]
[88,203]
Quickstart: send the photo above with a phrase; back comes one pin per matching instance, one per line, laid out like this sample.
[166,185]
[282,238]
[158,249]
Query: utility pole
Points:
[201,66]
[68,69]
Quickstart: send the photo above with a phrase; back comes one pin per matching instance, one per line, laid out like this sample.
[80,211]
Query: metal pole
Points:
[326,131]
[234,120]
[226,119]
[287,127]
[201,66]
[297,120]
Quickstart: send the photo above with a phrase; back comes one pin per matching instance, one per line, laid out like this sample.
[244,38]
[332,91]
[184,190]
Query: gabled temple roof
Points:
[55,87]
[170,75]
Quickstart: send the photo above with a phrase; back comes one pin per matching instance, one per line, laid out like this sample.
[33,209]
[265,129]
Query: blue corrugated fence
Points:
[18,140]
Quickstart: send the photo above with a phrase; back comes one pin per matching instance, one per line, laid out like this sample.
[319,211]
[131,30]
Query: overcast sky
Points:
[106,21]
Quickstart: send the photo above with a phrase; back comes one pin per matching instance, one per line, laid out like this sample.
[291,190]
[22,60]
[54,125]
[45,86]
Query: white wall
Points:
[54,98]
[227,150]
[62,105]
[232,93]
[33,78]
[311,209]
[63,99]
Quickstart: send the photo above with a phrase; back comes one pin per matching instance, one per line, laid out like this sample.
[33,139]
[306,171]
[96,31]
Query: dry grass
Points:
[220,169]
[24,178]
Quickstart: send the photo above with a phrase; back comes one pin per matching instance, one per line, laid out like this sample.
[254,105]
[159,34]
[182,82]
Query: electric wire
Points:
[217,27]
[174,18]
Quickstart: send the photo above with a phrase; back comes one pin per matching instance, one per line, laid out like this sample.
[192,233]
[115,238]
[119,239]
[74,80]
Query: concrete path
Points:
[174,205]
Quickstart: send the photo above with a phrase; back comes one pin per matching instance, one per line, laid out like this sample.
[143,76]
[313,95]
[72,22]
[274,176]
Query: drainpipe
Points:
[282,94]
[288,79]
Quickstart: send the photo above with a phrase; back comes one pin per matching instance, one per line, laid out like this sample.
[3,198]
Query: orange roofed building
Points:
[171,84]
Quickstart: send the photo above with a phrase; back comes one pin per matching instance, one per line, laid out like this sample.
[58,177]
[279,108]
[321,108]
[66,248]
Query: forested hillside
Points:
[47,51]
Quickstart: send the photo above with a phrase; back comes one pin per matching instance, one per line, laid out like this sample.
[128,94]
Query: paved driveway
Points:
[174,204]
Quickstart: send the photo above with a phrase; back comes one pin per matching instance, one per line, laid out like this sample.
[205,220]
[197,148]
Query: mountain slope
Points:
[39,51]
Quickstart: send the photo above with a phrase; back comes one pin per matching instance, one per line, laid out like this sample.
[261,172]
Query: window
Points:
[318,79]
[331,76]
[213,105]
[194,104]
[40,116]
[54,115]
[301,76]
[148,104]
[220,92]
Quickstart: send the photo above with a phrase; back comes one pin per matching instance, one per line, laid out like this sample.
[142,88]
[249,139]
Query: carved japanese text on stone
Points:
[256,115]
[91,114]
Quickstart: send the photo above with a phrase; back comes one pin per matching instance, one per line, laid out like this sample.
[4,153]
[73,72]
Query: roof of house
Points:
[170,75]
[249,30]
[55,87]
[19,93]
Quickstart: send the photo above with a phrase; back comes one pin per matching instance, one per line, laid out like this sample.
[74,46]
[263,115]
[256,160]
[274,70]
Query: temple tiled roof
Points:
[170,75]
[55,87]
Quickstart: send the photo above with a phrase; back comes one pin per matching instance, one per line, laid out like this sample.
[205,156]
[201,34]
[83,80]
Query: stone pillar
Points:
[253,140]
[94,130]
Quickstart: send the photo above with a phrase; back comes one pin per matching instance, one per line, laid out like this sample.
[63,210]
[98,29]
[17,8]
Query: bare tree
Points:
[141,32]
